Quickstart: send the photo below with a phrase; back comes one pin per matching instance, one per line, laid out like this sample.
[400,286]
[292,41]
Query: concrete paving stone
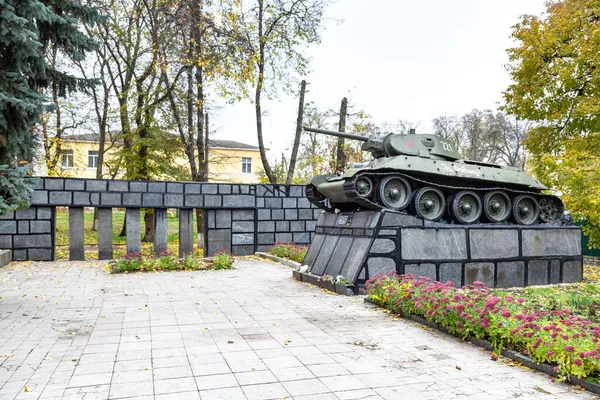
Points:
[324,370]
[165,362]
[255,377]
[131,389]
[172,372]
[234,393]
[210,369]
[305,387]
[90,379]
[343,382]
[132,376]
[265,391]
[175,385]
[369,394]
[192,395]
[216,381]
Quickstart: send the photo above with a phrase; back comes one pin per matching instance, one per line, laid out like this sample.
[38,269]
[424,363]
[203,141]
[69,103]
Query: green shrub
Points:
[290,251]
[223,260]
[138,262]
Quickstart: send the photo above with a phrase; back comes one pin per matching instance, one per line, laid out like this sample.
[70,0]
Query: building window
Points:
[246,165]
[92,159]
[67,158]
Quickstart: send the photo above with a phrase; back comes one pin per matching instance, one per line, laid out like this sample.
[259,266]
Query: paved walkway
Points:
[71,331]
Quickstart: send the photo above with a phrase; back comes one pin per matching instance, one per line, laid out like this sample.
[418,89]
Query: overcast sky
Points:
[396,59]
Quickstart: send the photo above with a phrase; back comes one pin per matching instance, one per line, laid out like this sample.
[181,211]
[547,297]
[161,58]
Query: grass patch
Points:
[290,251]
[119,242]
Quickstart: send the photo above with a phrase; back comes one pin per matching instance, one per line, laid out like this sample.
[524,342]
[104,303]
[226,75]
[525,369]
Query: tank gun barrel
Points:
[338,134]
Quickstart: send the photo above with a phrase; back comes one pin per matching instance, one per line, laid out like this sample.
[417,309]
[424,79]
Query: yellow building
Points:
[229,161]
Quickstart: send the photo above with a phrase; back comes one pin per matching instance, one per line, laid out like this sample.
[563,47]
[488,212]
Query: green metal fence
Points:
[586,250]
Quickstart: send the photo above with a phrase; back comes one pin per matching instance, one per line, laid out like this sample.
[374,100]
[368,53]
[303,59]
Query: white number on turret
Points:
[447,146]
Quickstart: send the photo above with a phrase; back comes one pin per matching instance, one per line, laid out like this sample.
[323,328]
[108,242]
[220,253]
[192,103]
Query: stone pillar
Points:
[160,230]
[134,243]
[76,234]
[186,231]
[105,250]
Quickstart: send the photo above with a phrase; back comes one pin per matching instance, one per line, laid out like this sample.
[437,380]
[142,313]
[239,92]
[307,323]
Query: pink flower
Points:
[578,362]
[506,313]
[569,349]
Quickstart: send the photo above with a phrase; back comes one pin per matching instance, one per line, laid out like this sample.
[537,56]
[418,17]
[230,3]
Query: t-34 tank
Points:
[426,176]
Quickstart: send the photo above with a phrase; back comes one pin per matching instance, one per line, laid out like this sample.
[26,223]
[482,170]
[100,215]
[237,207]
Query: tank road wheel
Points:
[394,192]
[466,207]
[496,206]
[364,186]
[551,208]
[429,203]
[525,210]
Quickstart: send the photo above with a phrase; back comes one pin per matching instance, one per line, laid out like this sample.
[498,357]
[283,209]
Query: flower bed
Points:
[133,262]
[290,251]
[556,337]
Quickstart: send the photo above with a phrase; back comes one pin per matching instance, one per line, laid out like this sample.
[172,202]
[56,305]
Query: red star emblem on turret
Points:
[409,144]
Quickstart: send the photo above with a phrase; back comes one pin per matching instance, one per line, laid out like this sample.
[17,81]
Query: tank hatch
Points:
[429,146]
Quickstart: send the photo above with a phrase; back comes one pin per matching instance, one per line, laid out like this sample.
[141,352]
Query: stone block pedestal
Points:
[361,244]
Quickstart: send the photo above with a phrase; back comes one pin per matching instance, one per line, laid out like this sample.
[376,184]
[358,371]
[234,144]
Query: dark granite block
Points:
[537,272]
[27,213]
[194,200]
[494,243]
[431,244]
[479,272]
[219,235]
[6,242]
[266,238]
[132,199]
[273,203]
[54,184]
[44,213]
[243,215]
[95,199]
[40,227]
[193,188]
[111,199]
[242,238]
[282,226]
[451,272]
[572,271]
[425,270]
[8,227]
[310,226]
[39,197]
[118,186]
[510,274]
[9,215]
[95,186]
[555,271]
[283,237]
[303,203]
[266,226]
[39,254]
[174,200]
[277,214]
[74,184]
[60,198]
[242,250]
[305,213]
[313,250]
[356,258]
[209,189]
[296,191]
[212,201]
[223,218]
[29,241]
[238,201]
[380,265]
[301,237]
[290,202]
[81,199]
[157,187]
[291,214]
[152,200]
[264,215]
[297,226]
[174,187]
[242,226]
[23,227]
[551,242]
[396,219]
[224,189]
[138,186]
[383,246]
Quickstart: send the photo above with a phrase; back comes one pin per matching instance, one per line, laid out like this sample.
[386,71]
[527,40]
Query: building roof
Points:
[230,144]
[213,143]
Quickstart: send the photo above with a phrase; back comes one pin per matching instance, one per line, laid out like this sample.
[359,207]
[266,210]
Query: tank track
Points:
[352,193]
[319,201]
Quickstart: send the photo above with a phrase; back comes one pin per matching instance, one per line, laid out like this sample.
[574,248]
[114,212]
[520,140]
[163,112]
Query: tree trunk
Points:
[258,93]
[340,156]
[148,225]
[294,155]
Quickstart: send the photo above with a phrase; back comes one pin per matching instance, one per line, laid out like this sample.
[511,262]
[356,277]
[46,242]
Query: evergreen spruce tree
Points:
[29,29]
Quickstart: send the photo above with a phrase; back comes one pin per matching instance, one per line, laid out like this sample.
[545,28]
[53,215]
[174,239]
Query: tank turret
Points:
[425,175]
